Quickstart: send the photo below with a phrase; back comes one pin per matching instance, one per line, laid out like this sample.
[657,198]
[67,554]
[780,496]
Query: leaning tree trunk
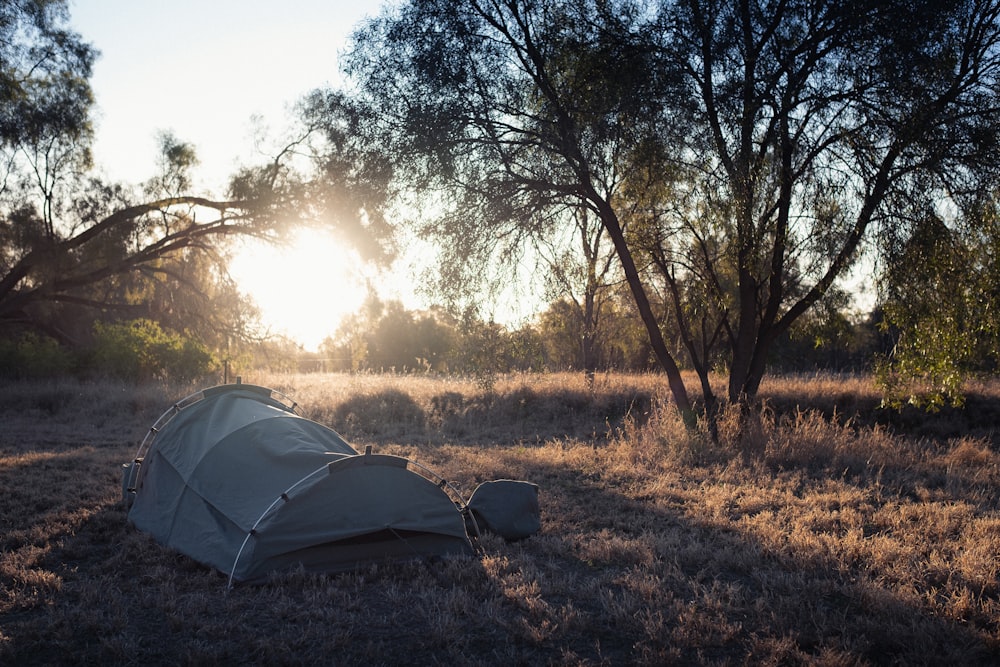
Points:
[658,344]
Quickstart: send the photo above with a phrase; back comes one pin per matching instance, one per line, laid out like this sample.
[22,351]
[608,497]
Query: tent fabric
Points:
[238,481]
[507,507]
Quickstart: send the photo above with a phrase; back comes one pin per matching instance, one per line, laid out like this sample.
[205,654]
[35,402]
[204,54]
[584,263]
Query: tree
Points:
[582,277]
[785,134]
[105,243]
[67,239]
[941,300]
[619,343]
[815,122]
[509,114]
[352,173]
[72,245]
[44,74]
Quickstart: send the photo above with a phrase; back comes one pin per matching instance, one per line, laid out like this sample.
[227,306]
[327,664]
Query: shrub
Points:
[32,356]
[141,350]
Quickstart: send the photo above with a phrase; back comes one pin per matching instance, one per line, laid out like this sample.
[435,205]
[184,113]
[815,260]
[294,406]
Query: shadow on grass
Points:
[654,583]
[977,417]
[518,416]
[613,578]
[390,413]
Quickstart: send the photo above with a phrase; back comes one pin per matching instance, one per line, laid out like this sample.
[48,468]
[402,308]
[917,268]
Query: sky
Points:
[203,70]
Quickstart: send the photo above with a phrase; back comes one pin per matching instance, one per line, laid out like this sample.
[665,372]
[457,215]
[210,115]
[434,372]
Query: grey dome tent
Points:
[235,478]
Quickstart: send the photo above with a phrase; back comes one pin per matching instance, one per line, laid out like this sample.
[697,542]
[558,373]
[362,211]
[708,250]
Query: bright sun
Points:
[304,289]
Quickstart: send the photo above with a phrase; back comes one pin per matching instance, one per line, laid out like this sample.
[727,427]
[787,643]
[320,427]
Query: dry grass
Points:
[856,537]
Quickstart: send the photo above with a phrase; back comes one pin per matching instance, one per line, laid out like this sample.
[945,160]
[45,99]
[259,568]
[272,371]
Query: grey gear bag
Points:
[507,507]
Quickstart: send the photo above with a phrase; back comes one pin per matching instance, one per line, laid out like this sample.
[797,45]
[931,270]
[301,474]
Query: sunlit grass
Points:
[856,537]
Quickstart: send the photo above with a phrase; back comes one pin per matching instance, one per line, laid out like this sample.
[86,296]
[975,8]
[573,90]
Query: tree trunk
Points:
[658,344]
[589,338]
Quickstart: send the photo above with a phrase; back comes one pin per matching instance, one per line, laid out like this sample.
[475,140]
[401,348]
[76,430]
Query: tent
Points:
[235,478]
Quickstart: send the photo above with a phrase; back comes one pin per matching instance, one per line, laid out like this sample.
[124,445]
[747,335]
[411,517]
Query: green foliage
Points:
[482,351]
[617,343]
[34,356]
[135,350]
[44,72]
[389,337]
[942,299]
[176,160]
[141,350]
[830,337]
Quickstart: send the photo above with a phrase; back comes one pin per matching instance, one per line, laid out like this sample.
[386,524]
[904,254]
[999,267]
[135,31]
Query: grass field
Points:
[855,536]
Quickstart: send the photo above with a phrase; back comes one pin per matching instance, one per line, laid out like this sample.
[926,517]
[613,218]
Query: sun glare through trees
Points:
[303,289]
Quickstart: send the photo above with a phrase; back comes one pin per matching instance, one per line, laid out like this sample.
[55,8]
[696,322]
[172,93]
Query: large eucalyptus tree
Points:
[740,152]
